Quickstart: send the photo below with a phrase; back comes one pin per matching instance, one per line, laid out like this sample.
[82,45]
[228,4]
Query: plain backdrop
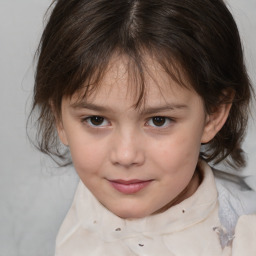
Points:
[34,193]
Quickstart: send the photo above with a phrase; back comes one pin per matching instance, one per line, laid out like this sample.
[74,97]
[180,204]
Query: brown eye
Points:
[158,120]
[96,121]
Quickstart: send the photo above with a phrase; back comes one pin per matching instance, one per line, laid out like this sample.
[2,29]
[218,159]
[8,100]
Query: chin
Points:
[128,216]
[131,212]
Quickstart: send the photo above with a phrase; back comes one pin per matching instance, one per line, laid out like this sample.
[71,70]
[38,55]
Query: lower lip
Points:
[131,188]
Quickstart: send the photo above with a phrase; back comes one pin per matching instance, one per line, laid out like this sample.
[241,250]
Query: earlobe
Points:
[215,121]
[62,133]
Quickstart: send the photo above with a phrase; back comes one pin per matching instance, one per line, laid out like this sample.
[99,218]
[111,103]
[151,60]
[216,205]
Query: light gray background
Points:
[34,193]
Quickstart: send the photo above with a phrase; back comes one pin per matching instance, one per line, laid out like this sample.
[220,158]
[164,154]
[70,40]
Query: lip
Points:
[129,186]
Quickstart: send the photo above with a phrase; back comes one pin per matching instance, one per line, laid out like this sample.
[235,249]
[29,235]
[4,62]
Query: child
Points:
[142,94]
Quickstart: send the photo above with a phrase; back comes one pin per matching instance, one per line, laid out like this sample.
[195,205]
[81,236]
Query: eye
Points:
[159,121]
[96,121]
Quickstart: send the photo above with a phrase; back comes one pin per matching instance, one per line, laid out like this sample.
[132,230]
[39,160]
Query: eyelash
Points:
[88,120]
[150,122]
[167,121]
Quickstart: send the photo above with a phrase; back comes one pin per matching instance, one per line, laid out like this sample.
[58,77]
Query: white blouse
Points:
[191,228]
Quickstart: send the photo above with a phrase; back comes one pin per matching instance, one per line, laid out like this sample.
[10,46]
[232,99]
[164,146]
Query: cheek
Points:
[178,151]
[177,147]
[87,155]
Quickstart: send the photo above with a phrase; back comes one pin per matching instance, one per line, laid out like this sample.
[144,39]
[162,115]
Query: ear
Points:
[61,132]
[215,121]
[59,125]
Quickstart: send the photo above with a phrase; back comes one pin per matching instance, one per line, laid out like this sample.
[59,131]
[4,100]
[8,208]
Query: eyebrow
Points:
[152,110]
[144,111]
[90,106]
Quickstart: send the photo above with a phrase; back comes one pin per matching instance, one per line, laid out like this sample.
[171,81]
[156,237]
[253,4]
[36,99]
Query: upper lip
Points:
[127,182]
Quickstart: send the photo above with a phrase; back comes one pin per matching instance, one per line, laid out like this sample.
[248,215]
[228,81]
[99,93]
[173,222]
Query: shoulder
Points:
[245,236]
[234,194]
[237,210]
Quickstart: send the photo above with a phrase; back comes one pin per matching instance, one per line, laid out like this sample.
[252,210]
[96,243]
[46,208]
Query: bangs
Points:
[87,81]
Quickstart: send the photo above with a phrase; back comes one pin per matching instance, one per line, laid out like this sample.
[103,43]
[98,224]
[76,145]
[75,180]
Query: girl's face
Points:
[136,161]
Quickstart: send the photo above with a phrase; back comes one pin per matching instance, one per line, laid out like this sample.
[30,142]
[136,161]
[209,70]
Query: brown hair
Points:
[197,37]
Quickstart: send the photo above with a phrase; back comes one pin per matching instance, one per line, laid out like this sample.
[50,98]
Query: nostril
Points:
[126,148]
[127,157]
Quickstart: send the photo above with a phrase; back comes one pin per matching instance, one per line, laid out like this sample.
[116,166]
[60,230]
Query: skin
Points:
[110,139]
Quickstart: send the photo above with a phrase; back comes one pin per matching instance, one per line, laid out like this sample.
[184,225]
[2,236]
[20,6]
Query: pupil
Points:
[159,120]
[97,120]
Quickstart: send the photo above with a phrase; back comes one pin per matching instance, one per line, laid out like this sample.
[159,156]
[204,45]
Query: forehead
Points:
[123,80]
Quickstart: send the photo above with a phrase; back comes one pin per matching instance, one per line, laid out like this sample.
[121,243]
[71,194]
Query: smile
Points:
[129,186]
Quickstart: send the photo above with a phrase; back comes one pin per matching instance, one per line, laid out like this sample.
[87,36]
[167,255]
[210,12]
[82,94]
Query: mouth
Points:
[129,186]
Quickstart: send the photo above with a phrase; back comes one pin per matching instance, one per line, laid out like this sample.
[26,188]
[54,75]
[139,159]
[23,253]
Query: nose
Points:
[127,149]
